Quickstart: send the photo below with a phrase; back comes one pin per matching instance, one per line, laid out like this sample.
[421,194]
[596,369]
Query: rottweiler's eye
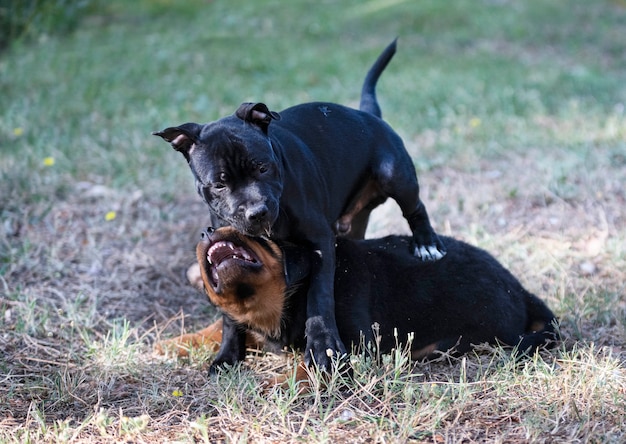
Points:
[262,168]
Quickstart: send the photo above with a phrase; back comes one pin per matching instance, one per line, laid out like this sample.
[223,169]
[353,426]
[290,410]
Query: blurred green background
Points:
[84,83]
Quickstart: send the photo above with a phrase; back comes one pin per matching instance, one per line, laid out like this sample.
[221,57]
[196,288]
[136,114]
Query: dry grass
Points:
[85,299]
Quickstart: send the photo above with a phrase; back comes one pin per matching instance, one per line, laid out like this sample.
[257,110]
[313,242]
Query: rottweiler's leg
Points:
[233,348]
[323,342]
[210,337]
[300,375]
[454,346]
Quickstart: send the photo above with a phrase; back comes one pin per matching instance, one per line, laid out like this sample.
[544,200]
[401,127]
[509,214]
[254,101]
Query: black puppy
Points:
[465,298]
[294,179]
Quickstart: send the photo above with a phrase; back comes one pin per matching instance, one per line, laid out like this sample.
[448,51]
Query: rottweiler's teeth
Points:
[223,250]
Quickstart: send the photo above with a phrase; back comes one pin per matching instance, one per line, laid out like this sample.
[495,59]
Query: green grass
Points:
[106,87]
[514,115]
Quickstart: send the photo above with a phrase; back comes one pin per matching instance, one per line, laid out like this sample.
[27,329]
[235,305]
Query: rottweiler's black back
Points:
[466,294]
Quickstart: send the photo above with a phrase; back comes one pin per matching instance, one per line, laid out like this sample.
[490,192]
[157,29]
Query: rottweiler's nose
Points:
[257,213]
[207,233]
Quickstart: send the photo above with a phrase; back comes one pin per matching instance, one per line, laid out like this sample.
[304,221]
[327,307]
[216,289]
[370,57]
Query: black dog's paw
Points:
[219,366]
[215,368]
[431,250]
[225,359]
[323,345]
[429,253]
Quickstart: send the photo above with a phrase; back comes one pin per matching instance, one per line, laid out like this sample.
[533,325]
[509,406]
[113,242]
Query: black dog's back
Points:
[466,298]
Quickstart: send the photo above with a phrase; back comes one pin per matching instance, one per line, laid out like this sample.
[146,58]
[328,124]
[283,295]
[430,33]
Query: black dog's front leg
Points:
[233,346]
[323,344]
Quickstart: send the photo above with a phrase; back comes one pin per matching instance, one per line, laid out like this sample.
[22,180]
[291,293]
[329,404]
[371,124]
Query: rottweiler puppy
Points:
[384,296]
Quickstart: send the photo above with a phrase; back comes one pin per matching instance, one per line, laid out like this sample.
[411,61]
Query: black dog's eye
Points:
[258,167]
[221,182]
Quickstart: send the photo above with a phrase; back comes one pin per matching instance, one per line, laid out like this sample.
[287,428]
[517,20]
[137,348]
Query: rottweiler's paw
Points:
[300,375]
[323,345]
[173,347]
[195,277]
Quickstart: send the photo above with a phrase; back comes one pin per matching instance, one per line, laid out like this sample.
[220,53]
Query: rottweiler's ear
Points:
[181,137]
[257,114]
[296,262]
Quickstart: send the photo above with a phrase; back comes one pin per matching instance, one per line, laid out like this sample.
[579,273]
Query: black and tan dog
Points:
[465,298]
[305,175]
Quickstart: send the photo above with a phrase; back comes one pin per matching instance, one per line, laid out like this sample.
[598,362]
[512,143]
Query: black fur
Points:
[465,298]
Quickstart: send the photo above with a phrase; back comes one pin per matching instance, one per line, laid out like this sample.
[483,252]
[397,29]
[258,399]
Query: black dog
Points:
[465,298]
[317,171]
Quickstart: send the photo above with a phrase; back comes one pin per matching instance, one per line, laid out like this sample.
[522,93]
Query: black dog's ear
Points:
[257,114]
[296,262]
[181,137]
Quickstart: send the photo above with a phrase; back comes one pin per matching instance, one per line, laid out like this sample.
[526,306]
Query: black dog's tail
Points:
[541,326]
[369,104]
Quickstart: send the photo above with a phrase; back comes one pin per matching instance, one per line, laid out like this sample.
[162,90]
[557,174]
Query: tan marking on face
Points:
[262,310]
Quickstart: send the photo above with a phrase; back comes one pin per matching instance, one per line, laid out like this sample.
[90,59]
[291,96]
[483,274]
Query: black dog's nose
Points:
[257,213]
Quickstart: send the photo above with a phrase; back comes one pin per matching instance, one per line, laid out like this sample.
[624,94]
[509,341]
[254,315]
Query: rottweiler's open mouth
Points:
[224,254]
